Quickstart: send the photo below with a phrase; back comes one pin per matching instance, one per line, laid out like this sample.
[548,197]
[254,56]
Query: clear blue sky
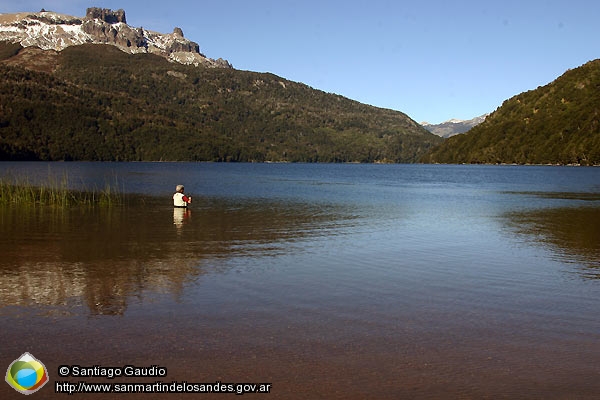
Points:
[433,60]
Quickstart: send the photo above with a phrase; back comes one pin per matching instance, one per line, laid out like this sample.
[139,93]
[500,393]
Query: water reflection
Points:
[181,216]
[102,258]
[571,233]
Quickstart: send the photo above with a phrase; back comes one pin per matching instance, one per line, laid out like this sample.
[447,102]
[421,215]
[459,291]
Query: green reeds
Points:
[57,194]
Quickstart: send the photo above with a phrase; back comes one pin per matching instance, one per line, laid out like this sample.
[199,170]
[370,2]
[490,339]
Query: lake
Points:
[337,281]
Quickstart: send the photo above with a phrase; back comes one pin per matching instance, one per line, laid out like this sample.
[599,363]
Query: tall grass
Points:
[56,193]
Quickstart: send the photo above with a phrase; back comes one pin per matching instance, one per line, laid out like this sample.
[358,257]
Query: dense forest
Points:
[555,124]
[94,102]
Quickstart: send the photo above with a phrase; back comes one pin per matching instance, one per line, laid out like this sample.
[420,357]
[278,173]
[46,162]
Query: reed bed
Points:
[57,193]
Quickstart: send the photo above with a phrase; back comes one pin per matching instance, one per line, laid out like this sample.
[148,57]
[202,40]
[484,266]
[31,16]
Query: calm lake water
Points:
[328,281]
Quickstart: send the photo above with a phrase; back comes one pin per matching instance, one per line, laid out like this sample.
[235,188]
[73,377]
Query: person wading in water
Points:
[180,200]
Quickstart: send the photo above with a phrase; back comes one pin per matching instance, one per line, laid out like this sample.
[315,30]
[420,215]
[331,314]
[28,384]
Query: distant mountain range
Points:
[558,123]
[453,126]
[94,88]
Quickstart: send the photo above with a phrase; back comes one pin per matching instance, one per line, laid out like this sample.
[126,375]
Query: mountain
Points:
[453,126]
[554,124]
[122,93]
[53,31]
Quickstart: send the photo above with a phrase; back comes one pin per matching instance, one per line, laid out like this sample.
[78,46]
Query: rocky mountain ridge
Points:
[453,127]
[53,31]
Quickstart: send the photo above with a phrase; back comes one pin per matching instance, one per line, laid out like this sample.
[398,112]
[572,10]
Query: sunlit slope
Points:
[555,124]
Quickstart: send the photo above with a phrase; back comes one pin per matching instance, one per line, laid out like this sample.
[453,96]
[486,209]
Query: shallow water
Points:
[330,281]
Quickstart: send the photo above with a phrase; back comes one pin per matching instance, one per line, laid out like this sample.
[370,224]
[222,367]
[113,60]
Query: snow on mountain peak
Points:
[54,31]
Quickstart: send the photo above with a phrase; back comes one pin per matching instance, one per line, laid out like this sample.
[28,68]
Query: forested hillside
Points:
[95,102]
[555,124]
